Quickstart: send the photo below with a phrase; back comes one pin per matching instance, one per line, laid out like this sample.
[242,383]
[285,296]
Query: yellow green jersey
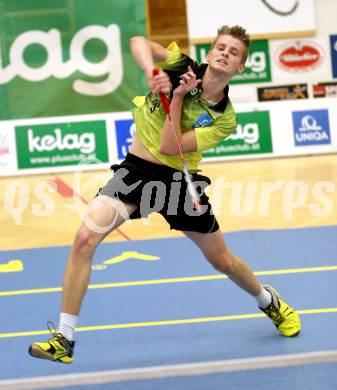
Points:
[211,122]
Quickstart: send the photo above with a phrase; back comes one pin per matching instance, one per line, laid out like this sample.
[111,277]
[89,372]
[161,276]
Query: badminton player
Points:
[151,178]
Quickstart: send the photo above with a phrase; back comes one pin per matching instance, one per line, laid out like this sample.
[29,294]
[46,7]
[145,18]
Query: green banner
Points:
[66,57]
[252,136]
[257,65]
[61,144]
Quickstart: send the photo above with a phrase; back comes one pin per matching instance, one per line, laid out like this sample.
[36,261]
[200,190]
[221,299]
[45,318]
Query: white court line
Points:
[158,372]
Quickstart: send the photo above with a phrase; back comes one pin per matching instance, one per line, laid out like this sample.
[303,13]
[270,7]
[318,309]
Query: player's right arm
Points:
[146,53]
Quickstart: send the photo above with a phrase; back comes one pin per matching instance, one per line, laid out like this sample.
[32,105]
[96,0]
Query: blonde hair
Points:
[237,32]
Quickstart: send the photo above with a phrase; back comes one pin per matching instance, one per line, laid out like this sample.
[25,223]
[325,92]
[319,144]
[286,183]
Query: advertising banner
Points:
[311,127]
[252,136]
[327,90]
[60,144]
[95,141]
[333,50]
[300,60]
[283,92]
[125,132]
[7,151]
[68,57]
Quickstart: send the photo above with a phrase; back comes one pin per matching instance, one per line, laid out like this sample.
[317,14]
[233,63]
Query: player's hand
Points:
[159,83]
[188,82]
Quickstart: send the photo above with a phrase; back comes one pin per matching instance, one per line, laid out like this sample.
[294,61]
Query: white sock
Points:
[264,298]
[67,325]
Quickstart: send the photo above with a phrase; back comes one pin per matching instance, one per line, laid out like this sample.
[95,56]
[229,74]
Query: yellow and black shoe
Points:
[283,316]
[57,349]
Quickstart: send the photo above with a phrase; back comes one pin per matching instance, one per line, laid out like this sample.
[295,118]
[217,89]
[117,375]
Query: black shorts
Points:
[162,189]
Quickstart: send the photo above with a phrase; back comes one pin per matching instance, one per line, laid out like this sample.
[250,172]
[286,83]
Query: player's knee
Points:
[85,240]
[223,261]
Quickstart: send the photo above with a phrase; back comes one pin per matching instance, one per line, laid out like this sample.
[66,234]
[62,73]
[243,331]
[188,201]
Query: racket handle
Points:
[163,97]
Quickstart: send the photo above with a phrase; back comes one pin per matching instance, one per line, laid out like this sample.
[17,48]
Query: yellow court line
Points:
[167,322]
[169,280]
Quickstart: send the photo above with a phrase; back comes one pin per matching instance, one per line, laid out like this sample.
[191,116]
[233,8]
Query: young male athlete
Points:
[203,116]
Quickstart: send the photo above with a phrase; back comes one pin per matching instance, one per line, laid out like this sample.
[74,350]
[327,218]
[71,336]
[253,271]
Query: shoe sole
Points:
[295,334]
[39,353]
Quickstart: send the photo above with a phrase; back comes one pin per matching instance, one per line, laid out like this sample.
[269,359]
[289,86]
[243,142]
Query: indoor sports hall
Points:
[156,314]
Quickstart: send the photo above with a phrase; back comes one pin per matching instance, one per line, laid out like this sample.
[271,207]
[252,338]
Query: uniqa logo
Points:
[309,123]
[54,66]
[310,130]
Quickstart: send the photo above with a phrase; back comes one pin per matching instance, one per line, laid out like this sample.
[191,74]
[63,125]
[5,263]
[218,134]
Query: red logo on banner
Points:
[299,56]
[3,145]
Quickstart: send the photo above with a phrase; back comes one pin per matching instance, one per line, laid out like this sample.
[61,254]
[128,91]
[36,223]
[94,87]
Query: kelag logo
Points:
[75,55]
[333,48]
[252,136]
[49,145]
[311,127]
[125,132]
[54,66]
[257,67]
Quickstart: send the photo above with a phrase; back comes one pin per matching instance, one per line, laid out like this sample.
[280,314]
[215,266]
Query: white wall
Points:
[326,24]
[326,16]
[258,19]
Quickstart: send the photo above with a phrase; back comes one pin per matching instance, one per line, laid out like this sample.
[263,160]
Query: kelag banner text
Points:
[68,57]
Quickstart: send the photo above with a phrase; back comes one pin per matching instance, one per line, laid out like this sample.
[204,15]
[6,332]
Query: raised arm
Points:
[146,53]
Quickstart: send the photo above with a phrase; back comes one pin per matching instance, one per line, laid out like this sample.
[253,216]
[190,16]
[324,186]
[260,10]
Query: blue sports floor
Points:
[158,302]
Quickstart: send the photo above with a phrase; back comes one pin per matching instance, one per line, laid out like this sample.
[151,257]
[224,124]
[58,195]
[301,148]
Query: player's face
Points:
[226,56]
